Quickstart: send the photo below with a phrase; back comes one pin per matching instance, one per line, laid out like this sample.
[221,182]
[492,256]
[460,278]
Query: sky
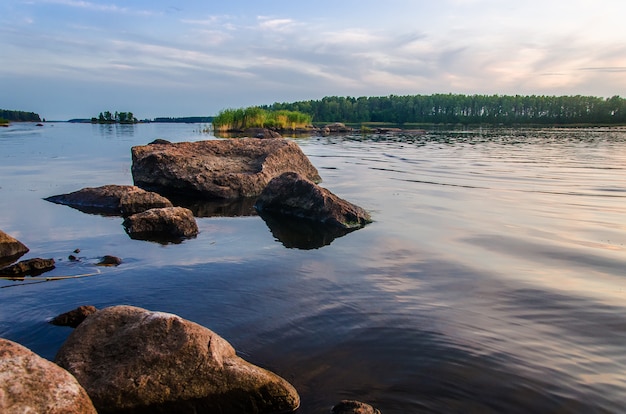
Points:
[68,59]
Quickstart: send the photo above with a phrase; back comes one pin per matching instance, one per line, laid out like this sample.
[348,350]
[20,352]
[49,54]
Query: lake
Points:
[492,280]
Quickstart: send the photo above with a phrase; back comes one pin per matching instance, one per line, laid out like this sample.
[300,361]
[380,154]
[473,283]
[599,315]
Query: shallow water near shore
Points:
[492,280]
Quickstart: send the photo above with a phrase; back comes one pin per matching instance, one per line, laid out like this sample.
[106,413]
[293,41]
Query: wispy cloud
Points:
[87,5]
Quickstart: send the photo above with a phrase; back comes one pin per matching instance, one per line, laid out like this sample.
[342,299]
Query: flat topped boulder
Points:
[133,360]
[31,384]
[162,224]
[112,199]
[224,168]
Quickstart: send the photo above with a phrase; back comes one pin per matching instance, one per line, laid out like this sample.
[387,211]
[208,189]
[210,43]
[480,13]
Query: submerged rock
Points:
[353,407]
[109,260]
[112,199]
[133,360]
[172,223]
[74,317]
[31,384]
[10,249]
[294,195]
[30,267]
[225,168]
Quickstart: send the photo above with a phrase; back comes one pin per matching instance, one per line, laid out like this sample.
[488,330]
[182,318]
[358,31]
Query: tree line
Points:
[19,116]
[464,109]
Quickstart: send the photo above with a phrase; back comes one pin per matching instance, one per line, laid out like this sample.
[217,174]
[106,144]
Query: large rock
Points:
[112,199]
[132,360]
[292,194]
[171,223]
[10,249]
[229,168]
[31,384]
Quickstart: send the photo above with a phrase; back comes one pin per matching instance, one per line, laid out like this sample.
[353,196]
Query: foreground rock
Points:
[30,267]
[10,249]
[294,195]
[353,407]
[31,384]
[74,317]
[167,224]
[230,168]
[112,199]
[132,360]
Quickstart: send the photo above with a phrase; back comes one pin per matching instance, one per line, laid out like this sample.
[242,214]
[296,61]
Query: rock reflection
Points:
[297,233]
[240,207]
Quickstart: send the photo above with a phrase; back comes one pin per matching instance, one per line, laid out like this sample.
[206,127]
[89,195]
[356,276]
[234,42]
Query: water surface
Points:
[492,280]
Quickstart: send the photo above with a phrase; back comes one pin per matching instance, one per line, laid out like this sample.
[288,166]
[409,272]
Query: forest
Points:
[19,116]
[464,109]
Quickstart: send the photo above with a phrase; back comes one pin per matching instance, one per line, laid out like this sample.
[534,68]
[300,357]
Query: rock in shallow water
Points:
[294,195]
[168,224]
[133,360]
[31,384]
[74,317]
[353,407]
[30,267]
[112,199]
[225,168]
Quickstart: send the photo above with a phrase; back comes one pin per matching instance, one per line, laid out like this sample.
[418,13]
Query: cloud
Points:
[111,8]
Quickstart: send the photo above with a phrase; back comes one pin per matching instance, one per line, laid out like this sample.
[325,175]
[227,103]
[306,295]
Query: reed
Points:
[255,117]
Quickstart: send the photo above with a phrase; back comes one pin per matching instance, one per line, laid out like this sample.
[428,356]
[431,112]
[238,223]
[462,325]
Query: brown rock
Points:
[225,168]
[353,407]
[109,260]
[10,249]
[262,133]
[172,223]
[74,317]
[31,384]
[294,195]
[112,199]
[30,267]
[132,360]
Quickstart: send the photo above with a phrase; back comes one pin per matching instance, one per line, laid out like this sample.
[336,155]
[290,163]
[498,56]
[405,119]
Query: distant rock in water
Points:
[32,384]
[133,360]
[10,249]
[112,199]
[217,169]
[293,195]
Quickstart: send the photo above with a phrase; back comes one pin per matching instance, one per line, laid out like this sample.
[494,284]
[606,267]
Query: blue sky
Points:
[75,58]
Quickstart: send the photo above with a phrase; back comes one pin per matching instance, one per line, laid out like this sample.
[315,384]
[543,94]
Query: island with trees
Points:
[463,109]
[118,118]
[7,116]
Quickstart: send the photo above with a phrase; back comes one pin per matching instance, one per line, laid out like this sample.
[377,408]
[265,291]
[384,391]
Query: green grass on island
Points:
[255,117]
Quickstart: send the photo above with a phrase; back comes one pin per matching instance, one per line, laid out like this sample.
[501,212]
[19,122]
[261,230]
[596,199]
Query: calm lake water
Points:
[493,279]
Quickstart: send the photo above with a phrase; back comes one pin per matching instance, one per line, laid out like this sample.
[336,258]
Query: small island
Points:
[237,120]
[8,116]
[107,117]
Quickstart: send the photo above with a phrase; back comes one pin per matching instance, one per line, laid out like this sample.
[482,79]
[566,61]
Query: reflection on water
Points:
[492,279]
